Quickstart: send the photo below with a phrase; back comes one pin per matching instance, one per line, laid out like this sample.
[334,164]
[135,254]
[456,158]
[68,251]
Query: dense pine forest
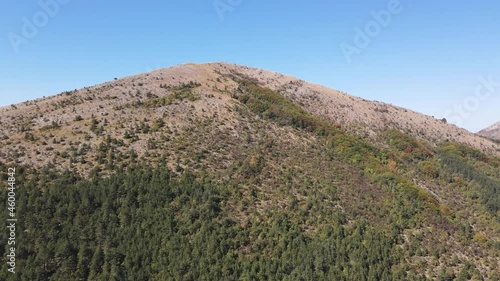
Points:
[140,223]
[144,224]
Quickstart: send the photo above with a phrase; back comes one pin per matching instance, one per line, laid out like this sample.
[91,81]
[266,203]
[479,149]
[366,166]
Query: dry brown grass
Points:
[114,106]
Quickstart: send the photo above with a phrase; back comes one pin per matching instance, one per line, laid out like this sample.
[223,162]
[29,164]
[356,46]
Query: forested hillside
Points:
[146,225]
[243,182]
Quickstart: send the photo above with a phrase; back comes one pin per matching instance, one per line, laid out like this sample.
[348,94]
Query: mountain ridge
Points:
[492,132]
[233,149]
[356,115]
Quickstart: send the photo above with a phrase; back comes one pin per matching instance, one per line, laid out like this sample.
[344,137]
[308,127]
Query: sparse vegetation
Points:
[271,105]
[182,92]
[283,181]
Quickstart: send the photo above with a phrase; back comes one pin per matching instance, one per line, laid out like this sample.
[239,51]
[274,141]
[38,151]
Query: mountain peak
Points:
[492,132]
[216,82]
[258,166]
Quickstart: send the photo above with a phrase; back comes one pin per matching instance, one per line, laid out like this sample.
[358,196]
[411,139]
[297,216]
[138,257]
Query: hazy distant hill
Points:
[225,172]
[492,132]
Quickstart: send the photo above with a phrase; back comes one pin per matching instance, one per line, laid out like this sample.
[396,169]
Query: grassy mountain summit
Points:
[225,172]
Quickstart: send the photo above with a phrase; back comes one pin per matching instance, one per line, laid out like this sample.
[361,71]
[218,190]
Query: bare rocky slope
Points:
[113,103]
[492,132]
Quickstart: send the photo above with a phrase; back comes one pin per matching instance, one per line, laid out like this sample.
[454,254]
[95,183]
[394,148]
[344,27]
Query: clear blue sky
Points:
[427,58]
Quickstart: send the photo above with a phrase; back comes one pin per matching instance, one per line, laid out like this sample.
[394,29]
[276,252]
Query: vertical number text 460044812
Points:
[11,219]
